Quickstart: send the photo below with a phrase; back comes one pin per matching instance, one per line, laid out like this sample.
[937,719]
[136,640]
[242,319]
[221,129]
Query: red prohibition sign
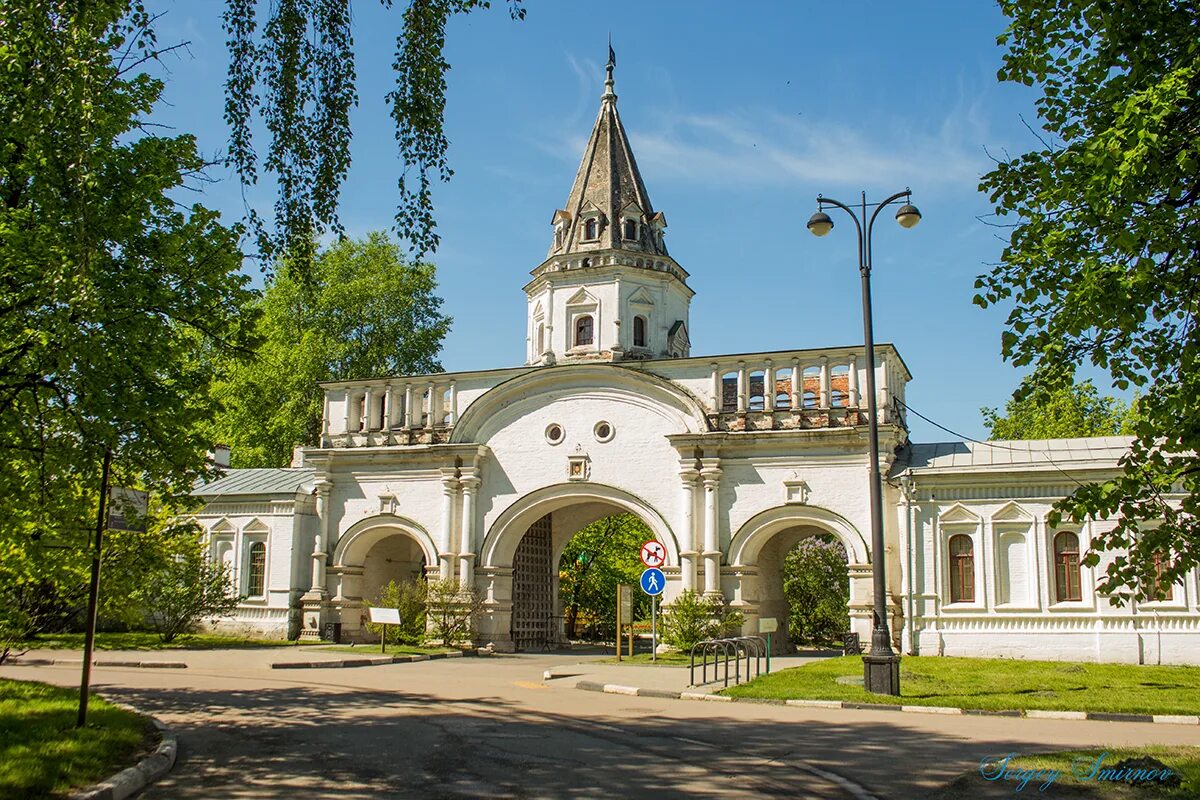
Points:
[654,554]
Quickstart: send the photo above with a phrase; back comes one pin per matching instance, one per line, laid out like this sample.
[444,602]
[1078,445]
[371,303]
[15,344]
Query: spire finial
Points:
[609,83]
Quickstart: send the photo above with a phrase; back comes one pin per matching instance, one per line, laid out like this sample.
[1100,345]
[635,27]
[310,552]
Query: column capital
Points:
[689,475]
[470,482]
[322,485]
[449,479]
[711,476]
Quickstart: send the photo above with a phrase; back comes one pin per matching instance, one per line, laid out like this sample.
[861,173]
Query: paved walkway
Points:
[666,677]
[490,727]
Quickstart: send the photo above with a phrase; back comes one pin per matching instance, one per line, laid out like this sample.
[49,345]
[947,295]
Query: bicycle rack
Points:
[722,650]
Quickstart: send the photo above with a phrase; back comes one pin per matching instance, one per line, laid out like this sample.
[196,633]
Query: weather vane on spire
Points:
[612,62]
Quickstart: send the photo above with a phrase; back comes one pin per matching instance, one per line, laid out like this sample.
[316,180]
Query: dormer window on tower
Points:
[591,229]
[631,230]
[639,331]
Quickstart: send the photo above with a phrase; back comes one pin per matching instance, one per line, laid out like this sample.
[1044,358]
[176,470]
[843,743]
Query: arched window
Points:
[810,399]
[541,339]
[591,229]
[837,398]
[729,387]
[782,391]
[1066,567]
[1162,590]
[630,229]
[583,330]
[256,575]
[639,331]
[962,569]
[757,400]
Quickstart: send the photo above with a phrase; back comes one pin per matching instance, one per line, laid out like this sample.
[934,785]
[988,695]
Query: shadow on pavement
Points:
[365,744]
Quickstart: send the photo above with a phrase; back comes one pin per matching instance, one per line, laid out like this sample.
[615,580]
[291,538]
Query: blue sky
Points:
[739,115]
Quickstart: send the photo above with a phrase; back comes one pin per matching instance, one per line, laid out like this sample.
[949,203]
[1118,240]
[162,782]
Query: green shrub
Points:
[409,598]
[691,618]
[816,583]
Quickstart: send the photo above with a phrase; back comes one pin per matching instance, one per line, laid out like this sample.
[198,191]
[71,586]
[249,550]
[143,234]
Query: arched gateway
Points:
[521,552]
[728,459]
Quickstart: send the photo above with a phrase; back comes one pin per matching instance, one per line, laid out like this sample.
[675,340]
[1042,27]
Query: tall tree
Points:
[1075,409]
[297,72]
[363,311]
[111,291]
[1103,259]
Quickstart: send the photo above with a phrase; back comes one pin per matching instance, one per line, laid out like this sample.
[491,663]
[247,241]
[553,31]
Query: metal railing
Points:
[725,650]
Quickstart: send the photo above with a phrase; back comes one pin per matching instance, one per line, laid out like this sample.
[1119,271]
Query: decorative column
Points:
[466,550]
[797,384]
[389,408]
[718,400]
[711,475]
[884,400]
[314,604]
[453,410]
[769,386]
[368,410]
[741,387]
[449,489]
[852,391]
[431,418]
[324,418]
[824,381]
[687,557]
[408,405]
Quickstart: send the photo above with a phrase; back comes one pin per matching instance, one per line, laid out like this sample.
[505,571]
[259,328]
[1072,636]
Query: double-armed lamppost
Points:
[881,666]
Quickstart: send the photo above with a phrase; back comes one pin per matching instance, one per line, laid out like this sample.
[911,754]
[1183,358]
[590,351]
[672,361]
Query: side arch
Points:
[758,530]
[506,532]
[353,545]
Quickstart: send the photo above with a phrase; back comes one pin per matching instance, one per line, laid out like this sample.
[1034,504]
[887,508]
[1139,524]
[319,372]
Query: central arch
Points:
[521,556]
[500,544]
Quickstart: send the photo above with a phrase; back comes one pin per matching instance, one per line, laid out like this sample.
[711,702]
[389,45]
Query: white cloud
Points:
[755,147]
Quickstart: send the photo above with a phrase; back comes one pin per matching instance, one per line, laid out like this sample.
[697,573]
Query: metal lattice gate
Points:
[533,589]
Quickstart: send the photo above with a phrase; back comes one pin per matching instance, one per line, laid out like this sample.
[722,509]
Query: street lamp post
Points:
[881,666]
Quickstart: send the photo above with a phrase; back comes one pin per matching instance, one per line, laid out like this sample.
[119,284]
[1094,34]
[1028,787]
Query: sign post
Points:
[624,614]
[653,582]
[384,617]
[653,555]
[768,625]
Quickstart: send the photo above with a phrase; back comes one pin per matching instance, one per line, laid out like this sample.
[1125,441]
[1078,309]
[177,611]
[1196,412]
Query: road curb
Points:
[19,661]
[1094,716]
[132,780]
[370,661]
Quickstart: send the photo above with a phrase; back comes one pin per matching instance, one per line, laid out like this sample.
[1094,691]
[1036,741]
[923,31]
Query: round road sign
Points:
[653,581]
[654,554]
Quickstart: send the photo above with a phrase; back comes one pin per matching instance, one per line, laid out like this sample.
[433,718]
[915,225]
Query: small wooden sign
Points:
[384,616]
[767,624]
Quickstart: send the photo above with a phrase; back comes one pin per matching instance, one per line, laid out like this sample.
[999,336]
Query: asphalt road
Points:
[489,727]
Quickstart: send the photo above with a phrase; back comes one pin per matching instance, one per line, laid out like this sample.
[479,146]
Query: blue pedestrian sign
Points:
[653,581]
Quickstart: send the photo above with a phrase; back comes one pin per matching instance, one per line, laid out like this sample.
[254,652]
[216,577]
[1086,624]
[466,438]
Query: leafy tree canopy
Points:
[595,560]
[365,311]
[111,291]
[1067,411]
[292,68]
[1104,252]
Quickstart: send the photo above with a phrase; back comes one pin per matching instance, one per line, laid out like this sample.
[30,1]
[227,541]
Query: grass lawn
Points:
[142,640]
[673,659]
[41,752]
[1074,767]
[392,649]
[995,684]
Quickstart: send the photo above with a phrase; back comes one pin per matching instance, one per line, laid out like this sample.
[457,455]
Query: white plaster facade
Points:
[728,459]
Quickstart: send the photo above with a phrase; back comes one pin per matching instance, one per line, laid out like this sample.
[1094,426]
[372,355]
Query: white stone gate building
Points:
[730,460]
